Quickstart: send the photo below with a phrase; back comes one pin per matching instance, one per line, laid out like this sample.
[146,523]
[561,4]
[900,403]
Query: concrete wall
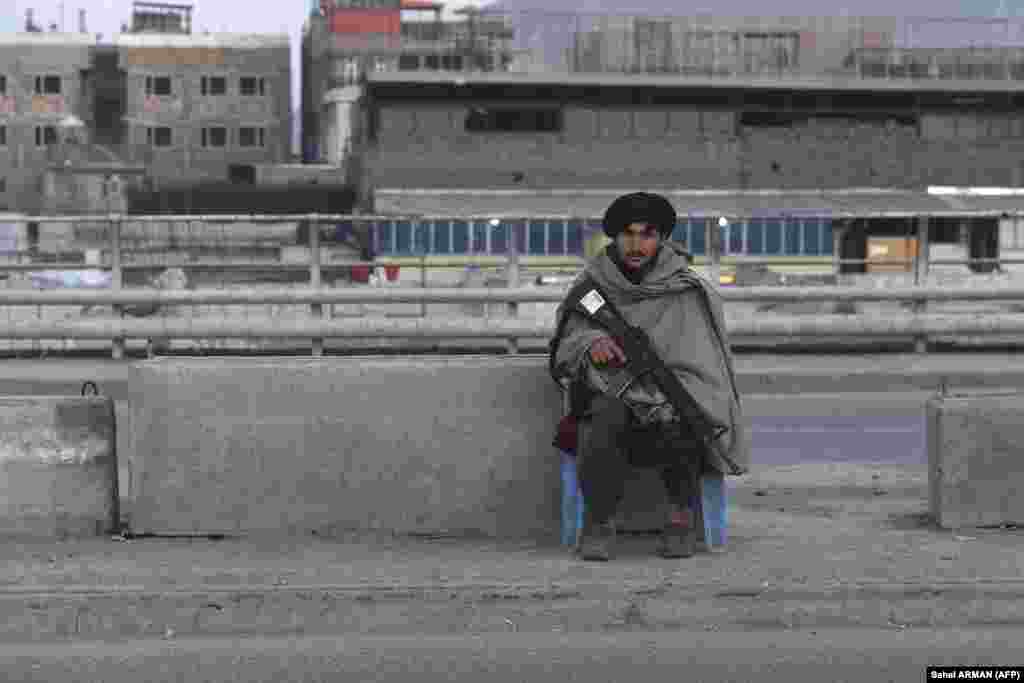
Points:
[974,449]
[409,445]
[57,466]
[426,145]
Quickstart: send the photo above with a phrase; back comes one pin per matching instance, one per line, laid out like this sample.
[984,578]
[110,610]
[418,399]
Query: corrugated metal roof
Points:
[694,203]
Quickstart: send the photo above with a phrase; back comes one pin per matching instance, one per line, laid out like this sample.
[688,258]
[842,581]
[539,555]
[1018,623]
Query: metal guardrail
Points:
[826,326]
[321,296]
[914,324]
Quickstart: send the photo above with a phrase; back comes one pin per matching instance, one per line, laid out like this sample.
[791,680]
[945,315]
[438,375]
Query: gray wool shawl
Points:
[683,315]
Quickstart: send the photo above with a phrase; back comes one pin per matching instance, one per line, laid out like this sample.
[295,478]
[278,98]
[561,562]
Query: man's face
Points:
[638,244]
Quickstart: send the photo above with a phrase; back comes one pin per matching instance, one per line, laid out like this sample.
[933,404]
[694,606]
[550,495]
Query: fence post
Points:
[314,281]
[117,279]
[921,275]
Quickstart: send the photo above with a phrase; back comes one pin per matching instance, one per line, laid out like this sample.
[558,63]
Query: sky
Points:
[216,16]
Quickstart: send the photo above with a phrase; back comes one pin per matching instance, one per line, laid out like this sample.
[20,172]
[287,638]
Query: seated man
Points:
[625,421]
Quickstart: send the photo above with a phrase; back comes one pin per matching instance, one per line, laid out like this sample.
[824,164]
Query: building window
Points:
[537,234]
[213,85]
[3,84]
[249,136]
[812,237]
[46,135]
[793,239]
[158,85]
[215,137]
[251,87]
[408,62]
[773,237]
[403,237]
[480,229]
[3,136]
[349,69]
[698,236]
[574,238]
[442,238]
[755,237]
[451,63]
[556,238]
[460,237]
[502,120]
[386,238]
[499,238]
[48,85]
[734,242]
[159,136]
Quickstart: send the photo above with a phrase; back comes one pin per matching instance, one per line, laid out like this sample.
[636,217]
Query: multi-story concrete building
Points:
[40,84]
[185,106]
[564,144]
[206,106]
[344,40]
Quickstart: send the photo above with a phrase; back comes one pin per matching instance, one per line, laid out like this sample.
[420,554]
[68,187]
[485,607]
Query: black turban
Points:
[640,207]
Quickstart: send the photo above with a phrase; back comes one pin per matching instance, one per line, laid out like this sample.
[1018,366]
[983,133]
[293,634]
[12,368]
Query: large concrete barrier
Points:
[457,445]
[58,471]
[975,458]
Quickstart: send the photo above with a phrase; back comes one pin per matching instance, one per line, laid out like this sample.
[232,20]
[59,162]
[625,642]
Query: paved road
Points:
[862,428]
[851,656]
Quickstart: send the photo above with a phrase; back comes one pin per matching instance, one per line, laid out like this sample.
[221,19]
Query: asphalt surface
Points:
[832,571]
[828,655]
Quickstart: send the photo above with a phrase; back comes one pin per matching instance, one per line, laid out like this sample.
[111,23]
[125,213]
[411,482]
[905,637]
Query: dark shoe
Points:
[596,540]
[678,539]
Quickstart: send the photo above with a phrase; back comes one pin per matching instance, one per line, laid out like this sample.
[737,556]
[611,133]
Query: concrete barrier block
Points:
[975,454]
[58,471]
[457,445]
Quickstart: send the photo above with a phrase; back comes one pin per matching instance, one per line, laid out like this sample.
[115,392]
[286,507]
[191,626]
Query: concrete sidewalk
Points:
[812,546]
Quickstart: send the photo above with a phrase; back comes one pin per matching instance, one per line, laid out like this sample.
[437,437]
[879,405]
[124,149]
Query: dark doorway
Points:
[243,174]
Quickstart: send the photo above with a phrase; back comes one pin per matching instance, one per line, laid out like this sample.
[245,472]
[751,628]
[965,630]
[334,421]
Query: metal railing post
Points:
[713,250]
[314,281]
[921,275]
[422,247]
[117,279]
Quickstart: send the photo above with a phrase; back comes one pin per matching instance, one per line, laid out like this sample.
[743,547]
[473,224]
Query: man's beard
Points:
[640,262]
